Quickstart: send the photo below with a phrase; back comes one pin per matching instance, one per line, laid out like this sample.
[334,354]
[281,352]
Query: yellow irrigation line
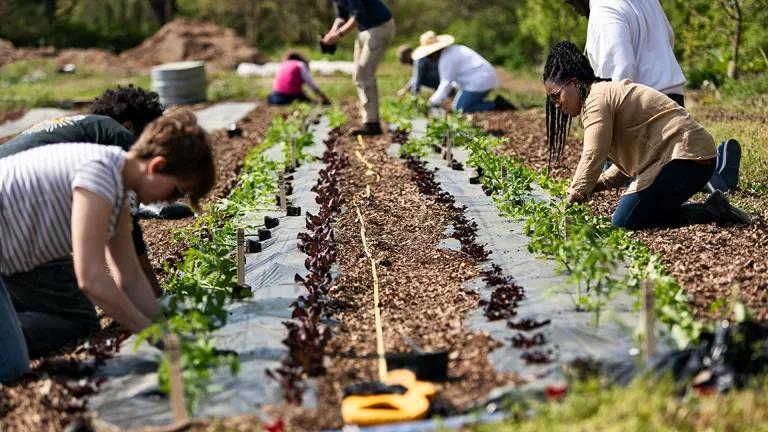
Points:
[381,361]
[382,364]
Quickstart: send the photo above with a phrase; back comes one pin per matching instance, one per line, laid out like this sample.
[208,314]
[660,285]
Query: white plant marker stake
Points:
[650,318]
[293,153]
[178,403]
[240,257]
[504,173]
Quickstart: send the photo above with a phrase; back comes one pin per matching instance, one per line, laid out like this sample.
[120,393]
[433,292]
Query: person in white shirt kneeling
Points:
[462,67]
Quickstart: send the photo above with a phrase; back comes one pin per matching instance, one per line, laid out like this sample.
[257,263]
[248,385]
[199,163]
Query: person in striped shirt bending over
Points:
[71,199]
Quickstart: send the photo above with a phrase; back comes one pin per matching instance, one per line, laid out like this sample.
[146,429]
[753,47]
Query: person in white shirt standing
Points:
[463,68]
[634,40]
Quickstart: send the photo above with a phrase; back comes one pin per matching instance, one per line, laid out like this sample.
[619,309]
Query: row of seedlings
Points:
[199,286]
[585,246]
[506,295]
[308,335]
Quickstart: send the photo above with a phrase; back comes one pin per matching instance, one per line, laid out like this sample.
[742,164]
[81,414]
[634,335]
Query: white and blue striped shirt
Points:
[36,188]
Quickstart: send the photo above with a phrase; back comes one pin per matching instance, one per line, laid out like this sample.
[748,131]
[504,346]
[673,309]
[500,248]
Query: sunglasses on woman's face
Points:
[554,97]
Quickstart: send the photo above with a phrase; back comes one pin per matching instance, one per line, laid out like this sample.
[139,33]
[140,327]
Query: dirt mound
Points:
[90,58]
[181,40]
[9,53]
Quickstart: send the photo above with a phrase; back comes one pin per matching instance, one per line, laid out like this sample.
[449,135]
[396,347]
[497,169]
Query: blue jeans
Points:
[468,101]
[277,98]
[14,361]
[51,308]
[660,205]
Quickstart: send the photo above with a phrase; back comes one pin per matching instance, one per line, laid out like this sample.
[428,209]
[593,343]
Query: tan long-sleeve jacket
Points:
[640,130]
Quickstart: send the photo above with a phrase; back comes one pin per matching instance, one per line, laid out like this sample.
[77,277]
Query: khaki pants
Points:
[370,47]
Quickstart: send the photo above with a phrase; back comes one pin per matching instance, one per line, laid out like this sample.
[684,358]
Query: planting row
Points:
[586,247]
[199,286]
[307,334]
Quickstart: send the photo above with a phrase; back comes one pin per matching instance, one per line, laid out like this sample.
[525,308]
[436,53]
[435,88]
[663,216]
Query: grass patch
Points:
[645,405]
[35,83]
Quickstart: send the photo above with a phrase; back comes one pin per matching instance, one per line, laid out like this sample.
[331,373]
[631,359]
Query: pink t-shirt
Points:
[291,77]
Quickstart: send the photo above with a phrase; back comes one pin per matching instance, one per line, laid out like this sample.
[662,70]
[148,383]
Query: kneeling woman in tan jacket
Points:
[650,139]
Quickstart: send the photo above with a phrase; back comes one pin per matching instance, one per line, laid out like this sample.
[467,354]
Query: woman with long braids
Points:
[651,140]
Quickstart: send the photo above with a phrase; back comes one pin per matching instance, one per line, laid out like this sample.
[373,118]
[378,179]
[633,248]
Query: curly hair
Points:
[129,104]
[565,62]
[186,147]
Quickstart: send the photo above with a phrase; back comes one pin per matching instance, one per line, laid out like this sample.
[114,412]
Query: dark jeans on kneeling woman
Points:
[277,98]
[14,361]
[660,205]
[51,308]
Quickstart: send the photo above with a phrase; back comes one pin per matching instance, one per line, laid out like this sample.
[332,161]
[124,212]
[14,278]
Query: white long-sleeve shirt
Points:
[633,40]
[462,67]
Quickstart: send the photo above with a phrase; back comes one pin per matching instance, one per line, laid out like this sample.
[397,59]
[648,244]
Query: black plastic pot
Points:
[294,210]
[474,180]
[457,166]
[264,234]
[242,291]
[436,148]
[234,131]
[252,246]
[271,222]
[426,366]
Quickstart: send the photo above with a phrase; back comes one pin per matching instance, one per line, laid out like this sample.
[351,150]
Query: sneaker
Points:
[722,211]
[502,104]
[371,128]
[716,182]
[729,163]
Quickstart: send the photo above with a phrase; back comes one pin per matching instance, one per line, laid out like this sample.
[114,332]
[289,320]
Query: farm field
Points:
[320,258]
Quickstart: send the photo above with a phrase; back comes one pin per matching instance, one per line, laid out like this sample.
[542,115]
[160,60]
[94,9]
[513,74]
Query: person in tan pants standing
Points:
[376,30]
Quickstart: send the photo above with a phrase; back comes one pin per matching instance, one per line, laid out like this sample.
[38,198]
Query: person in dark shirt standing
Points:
[52,309]
[376,30]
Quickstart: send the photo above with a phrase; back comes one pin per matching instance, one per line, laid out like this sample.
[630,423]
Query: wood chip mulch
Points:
[420,287]
[714,264]
[40,403]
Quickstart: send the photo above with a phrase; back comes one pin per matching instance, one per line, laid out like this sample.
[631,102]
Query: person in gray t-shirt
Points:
[117,117]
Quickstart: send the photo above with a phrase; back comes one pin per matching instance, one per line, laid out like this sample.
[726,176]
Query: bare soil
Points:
[178,40]
[714,264]
[11,115]
[9,53]
[420,287]
[182,40]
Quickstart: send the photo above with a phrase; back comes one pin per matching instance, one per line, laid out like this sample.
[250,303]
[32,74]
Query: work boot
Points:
[370,128]
[723,212]
[729,161]
[502,104]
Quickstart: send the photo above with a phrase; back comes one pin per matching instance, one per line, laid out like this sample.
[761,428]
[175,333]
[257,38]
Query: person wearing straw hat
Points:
[376,30]
[462,67]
